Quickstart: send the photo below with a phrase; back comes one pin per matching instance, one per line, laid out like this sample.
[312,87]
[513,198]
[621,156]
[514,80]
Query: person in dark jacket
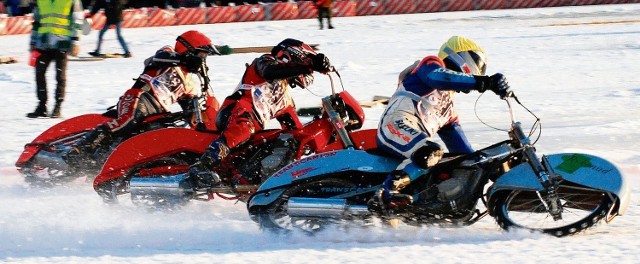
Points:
[113,12]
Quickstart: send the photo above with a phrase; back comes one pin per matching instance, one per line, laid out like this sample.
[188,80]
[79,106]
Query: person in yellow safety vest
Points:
[56,29]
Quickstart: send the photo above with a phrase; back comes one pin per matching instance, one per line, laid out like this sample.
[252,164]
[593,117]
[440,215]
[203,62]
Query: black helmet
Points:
[292,50]
[463,55]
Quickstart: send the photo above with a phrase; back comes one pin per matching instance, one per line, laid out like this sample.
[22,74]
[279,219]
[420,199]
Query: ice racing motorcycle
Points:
[42,163]
[559,194]
[154,174]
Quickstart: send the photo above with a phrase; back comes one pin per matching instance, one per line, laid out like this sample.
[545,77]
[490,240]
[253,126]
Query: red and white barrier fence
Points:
[190,16]
[220,14]
[247,13]
[159,17]
[155,17]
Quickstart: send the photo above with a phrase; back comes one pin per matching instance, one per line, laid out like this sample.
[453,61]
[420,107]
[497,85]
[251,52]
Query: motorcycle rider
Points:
[262,95]
[168,77]
[423,106]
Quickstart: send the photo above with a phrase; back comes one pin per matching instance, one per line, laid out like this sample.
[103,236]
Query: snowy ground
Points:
[575,67]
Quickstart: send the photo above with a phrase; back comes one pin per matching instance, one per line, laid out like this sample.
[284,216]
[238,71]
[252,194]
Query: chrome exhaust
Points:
[172,187]
[51,160]
[324,208]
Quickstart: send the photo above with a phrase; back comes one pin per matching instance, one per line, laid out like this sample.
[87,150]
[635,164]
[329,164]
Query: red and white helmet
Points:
[194,41]
[293,50]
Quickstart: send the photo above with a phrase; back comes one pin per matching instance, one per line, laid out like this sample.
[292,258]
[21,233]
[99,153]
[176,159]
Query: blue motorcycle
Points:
[559,194]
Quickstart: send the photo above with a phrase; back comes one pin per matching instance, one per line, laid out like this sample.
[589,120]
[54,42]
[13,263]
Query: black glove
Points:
[496,83]
[192,62]
[320,63]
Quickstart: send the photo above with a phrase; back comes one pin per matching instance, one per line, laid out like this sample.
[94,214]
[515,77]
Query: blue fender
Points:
[584,169]
[321,164]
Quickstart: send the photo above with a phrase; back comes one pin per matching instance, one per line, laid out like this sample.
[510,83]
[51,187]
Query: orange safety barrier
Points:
[369,7]
[18,25]
[250,13]
[3,25]
[220,14]
[428,6]
[159,17]
[400,6]
[306,10]
[281,11]
[343,9]
[135,18]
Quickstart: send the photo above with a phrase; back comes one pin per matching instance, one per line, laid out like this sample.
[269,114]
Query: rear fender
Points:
[582,169]
[60,130]
[318,165]
[150,146]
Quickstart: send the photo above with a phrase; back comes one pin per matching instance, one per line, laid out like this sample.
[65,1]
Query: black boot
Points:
[41,111]
[202,172]
[56,111]
[389,200]
[87,145]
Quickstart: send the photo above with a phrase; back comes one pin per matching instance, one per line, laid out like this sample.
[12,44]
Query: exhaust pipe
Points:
[170,188]
[324,208]
[50,160]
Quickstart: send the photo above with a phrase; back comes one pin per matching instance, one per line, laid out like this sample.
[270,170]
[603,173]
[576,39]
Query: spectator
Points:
[324,10]
[113,12]
[53,36]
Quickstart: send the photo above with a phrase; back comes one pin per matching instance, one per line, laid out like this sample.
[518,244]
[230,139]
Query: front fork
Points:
[545,173]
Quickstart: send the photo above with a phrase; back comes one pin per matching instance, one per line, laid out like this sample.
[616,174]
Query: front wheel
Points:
[583,207]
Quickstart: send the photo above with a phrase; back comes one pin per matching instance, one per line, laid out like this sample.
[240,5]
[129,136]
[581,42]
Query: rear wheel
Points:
[276,218]
[583,207]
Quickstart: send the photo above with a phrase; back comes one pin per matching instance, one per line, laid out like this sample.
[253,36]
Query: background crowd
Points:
[23,7]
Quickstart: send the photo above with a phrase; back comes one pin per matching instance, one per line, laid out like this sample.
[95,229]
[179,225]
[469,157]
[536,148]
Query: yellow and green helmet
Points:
[463,55]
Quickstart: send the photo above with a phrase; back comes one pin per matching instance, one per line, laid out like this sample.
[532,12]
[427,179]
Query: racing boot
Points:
[201,173]
[87,145]
[388,200]
[41,111]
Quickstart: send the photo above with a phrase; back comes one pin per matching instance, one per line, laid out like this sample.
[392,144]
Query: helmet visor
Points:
[468,62]
[209,49]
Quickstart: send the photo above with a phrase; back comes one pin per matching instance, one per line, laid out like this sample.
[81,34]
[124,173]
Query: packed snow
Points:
[575,67]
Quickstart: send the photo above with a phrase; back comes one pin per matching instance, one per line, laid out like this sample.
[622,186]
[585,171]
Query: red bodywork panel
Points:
[65,128]
[150,146]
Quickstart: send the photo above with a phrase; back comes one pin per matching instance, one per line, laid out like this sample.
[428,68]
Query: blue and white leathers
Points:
[422,106]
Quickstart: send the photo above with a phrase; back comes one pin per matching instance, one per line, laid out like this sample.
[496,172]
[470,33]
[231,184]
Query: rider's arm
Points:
[432,72]
[270,69]
[163,58]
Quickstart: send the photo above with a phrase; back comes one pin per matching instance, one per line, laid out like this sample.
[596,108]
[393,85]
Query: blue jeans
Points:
[118,33]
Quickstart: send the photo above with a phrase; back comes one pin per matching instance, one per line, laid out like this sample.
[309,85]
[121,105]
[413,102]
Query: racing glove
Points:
[496,83]
[192,62]
[321,63]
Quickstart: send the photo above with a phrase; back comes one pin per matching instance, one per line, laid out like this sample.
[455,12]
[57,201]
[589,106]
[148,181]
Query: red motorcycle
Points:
[42,163]
[153,167]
